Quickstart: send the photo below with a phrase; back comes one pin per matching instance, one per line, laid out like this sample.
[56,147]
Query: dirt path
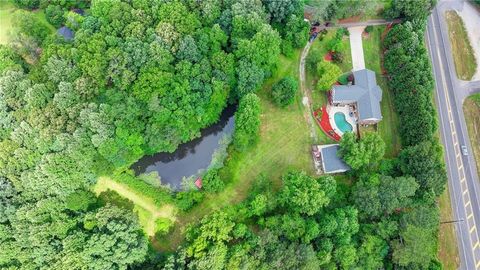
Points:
[307,97]
[166,211]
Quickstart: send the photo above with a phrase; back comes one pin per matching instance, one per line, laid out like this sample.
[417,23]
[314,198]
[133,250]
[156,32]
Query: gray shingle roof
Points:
[331,162]
[365,92]
[66,33]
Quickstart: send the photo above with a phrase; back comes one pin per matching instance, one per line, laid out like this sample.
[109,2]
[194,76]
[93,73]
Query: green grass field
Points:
[7,8]
[148,212]
[388,127]
[6,11]
[448,250]
[284,143]
[471,109]
[465,63]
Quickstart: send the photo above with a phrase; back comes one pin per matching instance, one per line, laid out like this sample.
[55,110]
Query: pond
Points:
[189,157]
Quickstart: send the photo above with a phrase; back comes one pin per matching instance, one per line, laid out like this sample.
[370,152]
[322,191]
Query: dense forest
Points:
[141,77]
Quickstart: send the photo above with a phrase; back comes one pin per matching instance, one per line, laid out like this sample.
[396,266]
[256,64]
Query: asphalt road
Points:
[463,182]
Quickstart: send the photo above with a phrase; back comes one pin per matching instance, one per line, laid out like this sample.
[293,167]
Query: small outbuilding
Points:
[66,33]
[326,159]
[198,183]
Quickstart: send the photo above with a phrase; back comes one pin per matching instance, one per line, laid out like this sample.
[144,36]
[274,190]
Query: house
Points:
[364,96]
[326,159]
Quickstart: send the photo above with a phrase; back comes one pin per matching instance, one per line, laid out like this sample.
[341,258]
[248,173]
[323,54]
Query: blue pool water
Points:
[341,122]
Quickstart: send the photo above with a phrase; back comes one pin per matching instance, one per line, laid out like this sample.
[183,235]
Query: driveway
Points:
[356,47]
[471,19]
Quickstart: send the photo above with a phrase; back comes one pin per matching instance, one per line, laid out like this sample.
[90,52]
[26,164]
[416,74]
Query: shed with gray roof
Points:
[66,33]
[326,156]
[365,93]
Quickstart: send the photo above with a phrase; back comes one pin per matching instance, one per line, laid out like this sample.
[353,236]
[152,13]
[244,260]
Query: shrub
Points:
[80,200]
[220,154]
[342,32]
[343,79]
[211,182]
[368,29]
[54,15]
[312,61]
[160,195]
[335,45]
[9,59]
[283,92]
[328,73]
[163,226]
[30,4]
[114,198]
[151,178]
[27,23]
[287,48]
[338,57]
[73,20]
[185,200]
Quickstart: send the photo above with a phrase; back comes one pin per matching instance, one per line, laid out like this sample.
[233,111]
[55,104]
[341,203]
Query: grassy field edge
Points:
[463,56]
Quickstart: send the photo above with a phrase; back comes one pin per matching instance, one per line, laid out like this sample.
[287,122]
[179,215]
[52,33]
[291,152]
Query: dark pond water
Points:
[189,157]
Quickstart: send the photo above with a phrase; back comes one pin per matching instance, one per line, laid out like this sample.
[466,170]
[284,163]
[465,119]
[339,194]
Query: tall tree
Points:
[304,194]
[116,240]
[328,73]
[368,151]
[424,162]
[416,248]
[283,91]
[247,122]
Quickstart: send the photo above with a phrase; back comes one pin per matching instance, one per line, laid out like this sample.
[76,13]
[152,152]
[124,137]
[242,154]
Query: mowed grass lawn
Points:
[284,143]
[465,63]
[388,127]
[7,8]
[471,109]
[148,212]
[448,249]
[6,11]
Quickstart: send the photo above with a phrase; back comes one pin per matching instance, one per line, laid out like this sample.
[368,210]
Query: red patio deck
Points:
[324,123]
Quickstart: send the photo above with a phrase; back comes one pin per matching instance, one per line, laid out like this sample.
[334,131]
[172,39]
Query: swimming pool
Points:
[342,123]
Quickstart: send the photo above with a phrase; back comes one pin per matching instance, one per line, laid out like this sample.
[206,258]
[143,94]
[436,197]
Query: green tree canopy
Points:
[424,162]
[328,74]
[304,194]
[367,151]
[416,248]
[247,122]
[283,92]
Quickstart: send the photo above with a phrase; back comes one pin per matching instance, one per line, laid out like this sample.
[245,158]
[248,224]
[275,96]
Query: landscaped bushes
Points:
[328,74]
[409,73]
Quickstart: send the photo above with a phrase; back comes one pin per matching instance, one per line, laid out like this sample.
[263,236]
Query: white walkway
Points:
[356,47]
[471,19]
